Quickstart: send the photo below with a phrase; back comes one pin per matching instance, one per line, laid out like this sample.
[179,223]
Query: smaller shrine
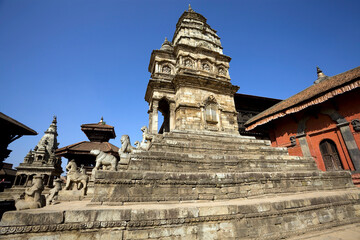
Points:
[41,161]
[99,135]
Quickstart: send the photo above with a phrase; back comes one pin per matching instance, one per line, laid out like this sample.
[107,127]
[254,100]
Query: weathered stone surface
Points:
[30,217]
[270,218]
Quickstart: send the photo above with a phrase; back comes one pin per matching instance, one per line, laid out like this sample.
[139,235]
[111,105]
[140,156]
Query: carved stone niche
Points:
[205,66]
[293,141]
[356,125]
[188,62]
[166,69]
[222,71]
[211,111]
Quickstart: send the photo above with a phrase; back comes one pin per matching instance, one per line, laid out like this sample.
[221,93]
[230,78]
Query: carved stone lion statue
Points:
[125,145]
[33,198]
[74,176]
[146,135]
[104,160]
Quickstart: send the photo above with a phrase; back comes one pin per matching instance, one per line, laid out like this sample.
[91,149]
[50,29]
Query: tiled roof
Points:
[85,147]
[17,127]
[312,95]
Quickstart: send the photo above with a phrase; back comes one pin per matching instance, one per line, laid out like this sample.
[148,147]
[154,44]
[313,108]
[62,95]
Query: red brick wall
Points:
[320,127]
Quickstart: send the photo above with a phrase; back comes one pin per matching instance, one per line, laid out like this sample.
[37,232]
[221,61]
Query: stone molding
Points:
[278,210]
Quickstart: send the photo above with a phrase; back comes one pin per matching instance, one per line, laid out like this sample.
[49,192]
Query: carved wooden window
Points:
[211,113]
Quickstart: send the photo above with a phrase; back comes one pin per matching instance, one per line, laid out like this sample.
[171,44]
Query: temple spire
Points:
[190,9]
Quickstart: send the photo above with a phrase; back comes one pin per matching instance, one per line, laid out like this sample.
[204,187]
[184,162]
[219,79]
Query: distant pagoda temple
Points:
[99,135]
[41,160]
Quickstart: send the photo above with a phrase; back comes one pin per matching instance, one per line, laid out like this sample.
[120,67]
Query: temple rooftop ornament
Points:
[166,46]
[190,9]
[321,76]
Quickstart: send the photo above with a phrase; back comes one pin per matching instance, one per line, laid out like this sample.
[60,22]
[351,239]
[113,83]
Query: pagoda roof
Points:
[85,147]
[98,132]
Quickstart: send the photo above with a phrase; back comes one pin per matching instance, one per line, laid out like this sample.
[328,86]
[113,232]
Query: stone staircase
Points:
[200,186]
[182,166]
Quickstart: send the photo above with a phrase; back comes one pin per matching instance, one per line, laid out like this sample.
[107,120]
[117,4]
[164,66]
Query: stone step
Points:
[203,138]
[175,162]
[215,148]
[269,218]
[148,186]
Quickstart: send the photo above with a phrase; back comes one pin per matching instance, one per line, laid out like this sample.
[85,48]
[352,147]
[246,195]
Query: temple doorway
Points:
[330,155]
[164,108]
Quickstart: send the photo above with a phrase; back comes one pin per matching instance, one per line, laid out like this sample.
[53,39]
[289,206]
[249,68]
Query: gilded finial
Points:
[321,76]
[54,119]
[102,120]
[190,9]
[320,73]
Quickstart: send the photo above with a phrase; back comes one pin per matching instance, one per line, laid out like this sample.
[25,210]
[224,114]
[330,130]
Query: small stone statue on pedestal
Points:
[53,193]
[76,180]
[33,198]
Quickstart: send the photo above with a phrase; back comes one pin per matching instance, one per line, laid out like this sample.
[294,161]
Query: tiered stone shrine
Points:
[198,178]
[40,161]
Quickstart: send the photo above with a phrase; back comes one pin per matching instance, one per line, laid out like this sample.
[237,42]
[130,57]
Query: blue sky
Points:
[83,59]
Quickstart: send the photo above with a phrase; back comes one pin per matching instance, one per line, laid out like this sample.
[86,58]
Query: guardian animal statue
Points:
[125,151]
[74,176]
[125,145]
[53,193]
[104,160]
[33,198]
[137,144]
[147,137]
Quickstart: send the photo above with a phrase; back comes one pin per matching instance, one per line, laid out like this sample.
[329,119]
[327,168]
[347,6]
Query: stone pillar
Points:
[150,120]
[172,116]
[154,117]
[301,135]
[16,177]
[48,181]
[351,145]
[304,145]
[27,179]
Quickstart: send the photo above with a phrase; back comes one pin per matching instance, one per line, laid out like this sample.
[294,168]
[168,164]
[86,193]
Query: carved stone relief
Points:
[166,69]
[222,71]
[205,67]
[356,124]
[188,63]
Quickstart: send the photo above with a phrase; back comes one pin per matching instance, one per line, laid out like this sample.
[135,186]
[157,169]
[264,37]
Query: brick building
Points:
[322,121]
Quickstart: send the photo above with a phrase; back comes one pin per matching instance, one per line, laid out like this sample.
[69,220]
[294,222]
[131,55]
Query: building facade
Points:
[322,122]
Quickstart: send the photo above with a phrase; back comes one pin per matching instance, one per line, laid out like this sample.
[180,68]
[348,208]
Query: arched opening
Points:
[164,108]
[22,179]
[330,155]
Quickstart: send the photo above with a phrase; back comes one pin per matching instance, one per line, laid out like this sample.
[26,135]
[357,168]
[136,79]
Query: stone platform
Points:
[271,217]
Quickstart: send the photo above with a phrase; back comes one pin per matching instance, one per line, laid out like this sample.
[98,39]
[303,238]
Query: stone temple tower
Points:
[41,161]
[190,83]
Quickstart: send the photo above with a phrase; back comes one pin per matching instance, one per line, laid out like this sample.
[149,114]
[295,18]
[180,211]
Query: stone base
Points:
[259,218]
[70,195]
